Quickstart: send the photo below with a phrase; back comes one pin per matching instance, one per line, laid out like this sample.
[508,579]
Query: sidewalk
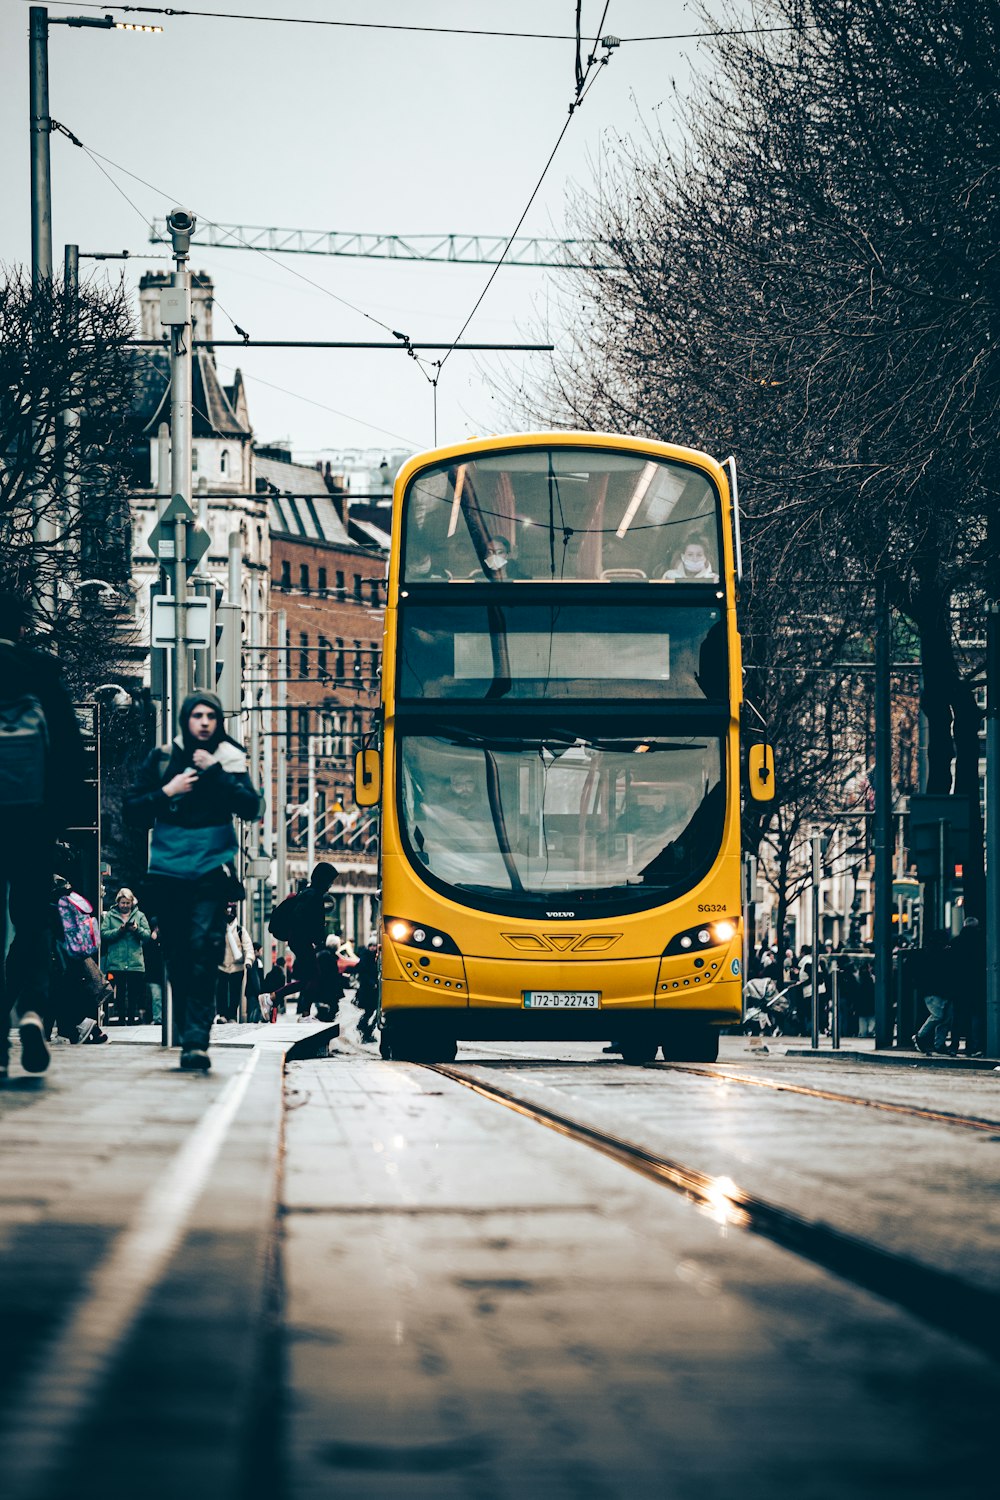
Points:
[137,1286]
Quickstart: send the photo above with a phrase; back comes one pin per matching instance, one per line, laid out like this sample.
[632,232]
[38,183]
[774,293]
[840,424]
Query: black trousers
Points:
[229,995]
[130,995]
[27,857]
[192,922]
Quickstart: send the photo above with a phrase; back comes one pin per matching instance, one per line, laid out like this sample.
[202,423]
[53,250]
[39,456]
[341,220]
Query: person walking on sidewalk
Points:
[237,956]
[42,792]
[304,929]
[188,792]
[935,987]
[124,929]
[968,981]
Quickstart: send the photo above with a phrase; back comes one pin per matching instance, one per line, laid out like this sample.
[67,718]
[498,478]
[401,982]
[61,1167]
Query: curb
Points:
[899,1059]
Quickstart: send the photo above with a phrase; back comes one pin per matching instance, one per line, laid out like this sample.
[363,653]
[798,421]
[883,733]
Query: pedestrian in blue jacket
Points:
[189,792]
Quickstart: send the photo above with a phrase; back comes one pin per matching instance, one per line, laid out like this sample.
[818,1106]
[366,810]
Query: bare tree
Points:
[64,511]
[811,280]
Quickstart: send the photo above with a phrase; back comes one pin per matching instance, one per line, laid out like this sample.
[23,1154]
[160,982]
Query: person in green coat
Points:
[123,931]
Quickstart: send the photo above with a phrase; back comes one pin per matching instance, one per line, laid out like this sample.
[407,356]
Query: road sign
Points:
[258,868]
[162,539]
[195,629]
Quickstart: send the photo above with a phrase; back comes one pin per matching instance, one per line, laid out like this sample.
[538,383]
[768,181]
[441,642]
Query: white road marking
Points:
[59,1392]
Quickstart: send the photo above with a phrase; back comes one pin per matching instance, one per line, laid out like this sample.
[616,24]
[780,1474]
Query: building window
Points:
[286,574]
[303,716]
[224,461]
[303,654]
[194,460]
[340,660]
[373,584]
[358,667]
[321,580]
[322,668]
[340,583]
[304,577]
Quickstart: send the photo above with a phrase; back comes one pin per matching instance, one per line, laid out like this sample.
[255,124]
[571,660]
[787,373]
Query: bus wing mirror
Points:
[367,778]
[760,772]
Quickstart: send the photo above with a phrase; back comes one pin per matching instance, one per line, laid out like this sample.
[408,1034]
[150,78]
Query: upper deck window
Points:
[561,514]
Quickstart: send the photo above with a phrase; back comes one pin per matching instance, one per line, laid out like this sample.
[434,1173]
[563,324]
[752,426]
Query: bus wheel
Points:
[640,1050]
[406,1040]
[692,1044]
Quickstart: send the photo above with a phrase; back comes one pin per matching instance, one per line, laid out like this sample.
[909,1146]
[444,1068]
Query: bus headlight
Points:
[419,935]
[705,935]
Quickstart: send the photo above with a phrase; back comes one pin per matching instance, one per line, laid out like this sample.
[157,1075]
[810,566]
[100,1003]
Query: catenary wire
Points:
[582,91]
[92,153]
[527,36]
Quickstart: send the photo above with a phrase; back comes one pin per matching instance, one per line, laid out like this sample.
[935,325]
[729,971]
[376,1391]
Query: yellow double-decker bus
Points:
[559,764]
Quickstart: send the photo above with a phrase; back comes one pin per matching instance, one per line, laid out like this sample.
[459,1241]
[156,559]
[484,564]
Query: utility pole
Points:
[175,313]
[817,876]
[41,179]
[311,804]
[281,766]
[992,913]
[883,818]
[70,417]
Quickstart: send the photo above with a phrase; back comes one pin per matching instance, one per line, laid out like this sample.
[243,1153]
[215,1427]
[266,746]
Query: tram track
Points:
[938,1298]
[808,1091]
[916,1111]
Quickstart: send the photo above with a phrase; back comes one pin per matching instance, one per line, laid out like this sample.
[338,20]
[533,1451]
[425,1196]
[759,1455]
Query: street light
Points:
[40,126]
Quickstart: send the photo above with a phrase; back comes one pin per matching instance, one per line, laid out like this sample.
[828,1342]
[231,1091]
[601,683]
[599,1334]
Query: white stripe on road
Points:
[57,1395]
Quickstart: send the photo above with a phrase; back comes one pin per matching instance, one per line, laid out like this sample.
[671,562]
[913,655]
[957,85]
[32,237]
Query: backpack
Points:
[283,923]
[24,748]
[79,926]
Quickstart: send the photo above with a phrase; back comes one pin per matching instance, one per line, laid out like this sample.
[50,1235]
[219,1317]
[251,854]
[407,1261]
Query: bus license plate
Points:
[562,999]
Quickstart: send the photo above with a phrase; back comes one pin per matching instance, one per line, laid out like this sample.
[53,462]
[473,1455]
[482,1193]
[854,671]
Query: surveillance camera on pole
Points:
[182,224]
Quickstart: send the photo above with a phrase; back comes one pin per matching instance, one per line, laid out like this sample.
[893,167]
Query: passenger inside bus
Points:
[560,514]
[692,564]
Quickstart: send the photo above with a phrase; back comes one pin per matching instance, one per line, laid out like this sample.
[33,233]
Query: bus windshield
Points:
[525,819]
[567,514]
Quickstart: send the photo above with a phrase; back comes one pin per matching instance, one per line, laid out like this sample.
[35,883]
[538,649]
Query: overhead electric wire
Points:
[581,93]
[526,36]
[296,395]
[98,156]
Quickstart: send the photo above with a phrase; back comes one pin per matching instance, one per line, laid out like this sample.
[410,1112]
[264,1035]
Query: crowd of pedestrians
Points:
[61,971]
[945,978]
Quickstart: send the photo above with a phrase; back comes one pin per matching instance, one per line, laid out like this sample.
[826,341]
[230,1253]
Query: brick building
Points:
[330,587]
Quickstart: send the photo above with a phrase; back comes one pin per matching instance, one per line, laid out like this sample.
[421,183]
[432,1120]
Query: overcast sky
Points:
[322,127]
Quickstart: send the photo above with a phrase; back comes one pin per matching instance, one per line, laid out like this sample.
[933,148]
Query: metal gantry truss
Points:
[461,249]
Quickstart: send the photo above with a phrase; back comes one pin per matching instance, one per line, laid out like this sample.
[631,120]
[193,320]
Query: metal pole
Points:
[992,913]
[40,126]
[817,873]
[281,759]
[942,846]
[70,423]
[253,727]
[834,1003]
[180,382]
[883,820]
[311,804]
[180,677]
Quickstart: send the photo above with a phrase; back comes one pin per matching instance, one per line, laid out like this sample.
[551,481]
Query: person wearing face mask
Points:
[189,792]
[692,565]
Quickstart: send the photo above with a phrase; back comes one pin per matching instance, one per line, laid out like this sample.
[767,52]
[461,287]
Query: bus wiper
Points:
[499,823]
